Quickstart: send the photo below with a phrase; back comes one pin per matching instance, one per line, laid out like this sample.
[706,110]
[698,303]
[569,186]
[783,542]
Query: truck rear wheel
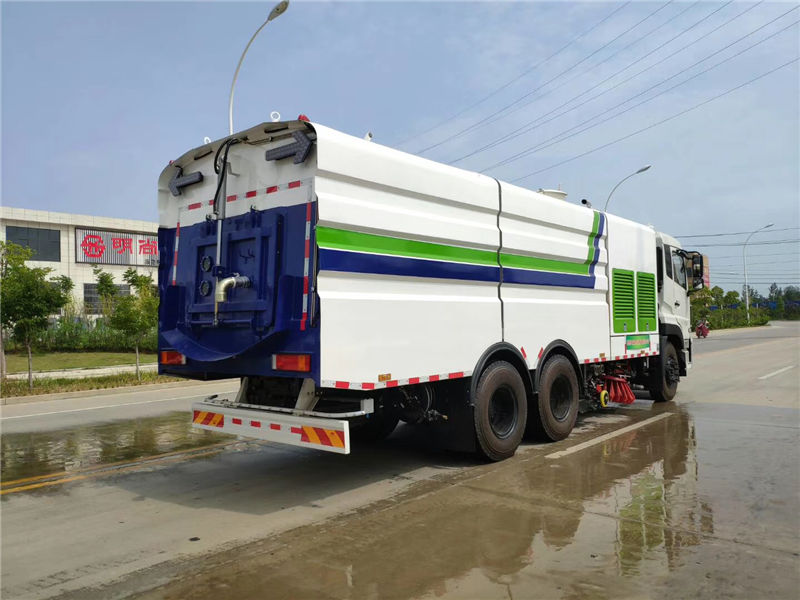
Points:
[557,400]
[665,379]
[501,411]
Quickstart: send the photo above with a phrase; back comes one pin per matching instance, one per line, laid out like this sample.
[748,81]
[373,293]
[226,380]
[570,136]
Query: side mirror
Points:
[698,271]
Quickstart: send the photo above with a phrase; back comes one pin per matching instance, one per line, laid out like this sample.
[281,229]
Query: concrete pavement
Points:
[695,497]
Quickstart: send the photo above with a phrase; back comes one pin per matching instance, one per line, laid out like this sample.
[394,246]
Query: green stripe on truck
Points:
[355,241]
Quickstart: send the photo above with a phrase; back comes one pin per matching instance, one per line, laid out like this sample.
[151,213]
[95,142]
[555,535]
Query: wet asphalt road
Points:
[698,497]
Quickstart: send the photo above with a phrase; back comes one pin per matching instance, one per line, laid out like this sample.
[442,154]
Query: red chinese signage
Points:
[116,248]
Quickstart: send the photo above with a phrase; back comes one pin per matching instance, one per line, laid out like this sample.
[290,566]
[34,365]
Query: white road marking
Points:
[778,372]
[607,436]
[61,412]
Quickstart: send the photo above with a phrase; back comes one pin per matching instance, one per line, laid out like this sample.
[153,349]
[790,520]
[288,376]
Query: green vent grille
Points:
[646,301]
[624,300]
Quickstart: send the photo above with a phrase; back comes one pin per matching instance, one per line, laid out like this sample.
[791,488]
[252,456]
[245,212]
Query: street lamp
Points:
[744,259]
[276,12]
[642,170]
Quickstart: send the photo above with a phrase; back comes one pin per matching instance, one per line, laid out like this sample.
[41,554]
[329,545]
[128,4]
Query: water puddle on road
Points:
[24,455]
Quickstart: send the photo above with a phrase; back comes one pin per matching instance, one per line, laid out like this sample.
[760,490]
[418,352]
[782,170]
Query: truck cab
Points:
[679,273]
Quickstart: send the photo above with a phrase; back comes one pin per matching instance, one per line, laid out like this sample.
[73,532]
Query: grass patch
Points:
[52,361]
[46,385]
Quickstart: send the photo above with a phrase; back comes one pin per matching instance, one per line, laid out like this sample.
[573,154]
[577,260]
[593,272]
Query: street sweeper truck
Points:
[350,286]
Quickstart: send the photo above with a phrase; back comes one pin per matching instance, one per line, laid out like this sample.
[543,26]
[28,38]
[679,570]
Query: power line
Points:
[507,106]
[756,255]
[518,77]
[531,125]
[557,139]
[764,243]
[704,235]
[657,123]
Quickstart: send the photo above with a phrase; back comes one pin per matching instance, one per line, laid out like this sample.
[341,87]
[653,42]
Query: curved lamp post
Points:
[642,170]
[276,12]
[744,259]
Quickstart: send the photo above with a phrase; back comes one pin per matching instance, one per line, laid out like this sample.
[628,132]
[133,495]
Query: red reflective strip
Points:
[295,184]
[413,380]
[303,321]
[340,435]
[342,385]
[272,189]
[392,383]
[255,423]
[275,426]
[211,202]
[297,430]
[433,378]
[596,360]
[323,437]
[616,358]
[541,351]
[232,198]
[367,386]
[194,205]
[304,435]
[308,211]
[208,418]
[524,354]
[305,285]
[250,194]
[586,360]
[236,421]
[456,375]
[306,252]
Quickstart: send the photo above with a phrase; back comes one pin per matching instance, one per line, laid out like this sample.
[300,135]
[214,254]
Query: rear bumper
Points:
[331,435]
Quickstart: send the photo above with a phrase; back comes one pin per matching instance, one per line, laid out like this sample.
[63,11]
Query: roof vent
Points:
[557,194]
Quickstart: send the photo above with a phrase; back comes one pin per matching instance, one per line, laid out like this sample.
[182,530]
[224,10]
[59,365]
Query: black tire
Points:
[665,379]
[501,411]
[557,401]
[377,427]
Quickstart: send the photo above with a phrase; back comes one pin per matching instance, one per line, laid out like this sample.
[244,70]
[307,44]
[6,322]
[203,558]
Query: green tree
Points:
[731,298]
[137,314]
[28,299]
[106,290]
[717,295]
[700,301]
[11,255]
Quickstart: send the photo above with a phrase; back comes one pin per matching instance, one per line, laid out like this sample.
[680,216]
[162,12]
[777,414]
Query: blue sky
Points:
[97,97]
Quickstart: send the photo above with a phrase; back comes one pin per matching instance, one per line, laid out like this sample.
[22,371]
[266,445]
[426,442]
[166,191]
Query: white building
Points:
[71,244]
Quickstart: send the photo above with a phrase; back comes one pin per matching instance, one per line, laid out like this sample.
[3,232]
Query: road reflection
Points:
[24,455]
[626,507]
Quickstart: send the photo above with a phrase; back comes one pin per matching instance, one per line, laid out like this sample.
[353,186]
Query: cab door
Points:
[675,300]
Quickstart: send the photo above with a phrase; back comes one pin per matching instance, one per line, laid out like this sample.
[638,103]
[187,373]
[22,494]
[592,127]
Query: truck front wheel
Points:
[501,411]
[664,379]
[557,400]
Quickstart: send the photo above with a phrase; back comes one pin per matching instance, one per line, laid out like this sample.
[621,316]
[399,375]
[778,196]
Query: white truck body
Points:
[416,268]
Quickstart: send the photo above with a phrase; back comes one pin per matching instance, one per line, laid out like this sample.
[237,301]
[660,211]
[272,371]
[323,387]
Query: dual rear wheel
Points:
[501,414]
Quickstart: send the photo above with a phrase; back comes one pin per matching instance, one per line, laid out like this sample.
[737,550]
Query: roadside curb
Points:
[13,400]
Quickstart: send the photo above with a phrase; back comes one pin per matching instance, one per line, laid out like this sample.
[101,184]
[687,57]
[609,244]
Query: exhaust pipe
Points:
[221,293]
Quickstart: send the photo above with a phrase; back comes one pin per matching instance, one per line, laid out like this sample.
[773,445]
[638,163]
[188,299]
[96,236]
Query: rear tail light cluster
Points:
[171,357]
[292,362]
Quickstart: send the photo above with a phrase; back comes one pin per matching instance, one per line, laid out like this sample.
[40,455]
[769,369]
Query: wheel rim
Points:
[503,412]
[561,398]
